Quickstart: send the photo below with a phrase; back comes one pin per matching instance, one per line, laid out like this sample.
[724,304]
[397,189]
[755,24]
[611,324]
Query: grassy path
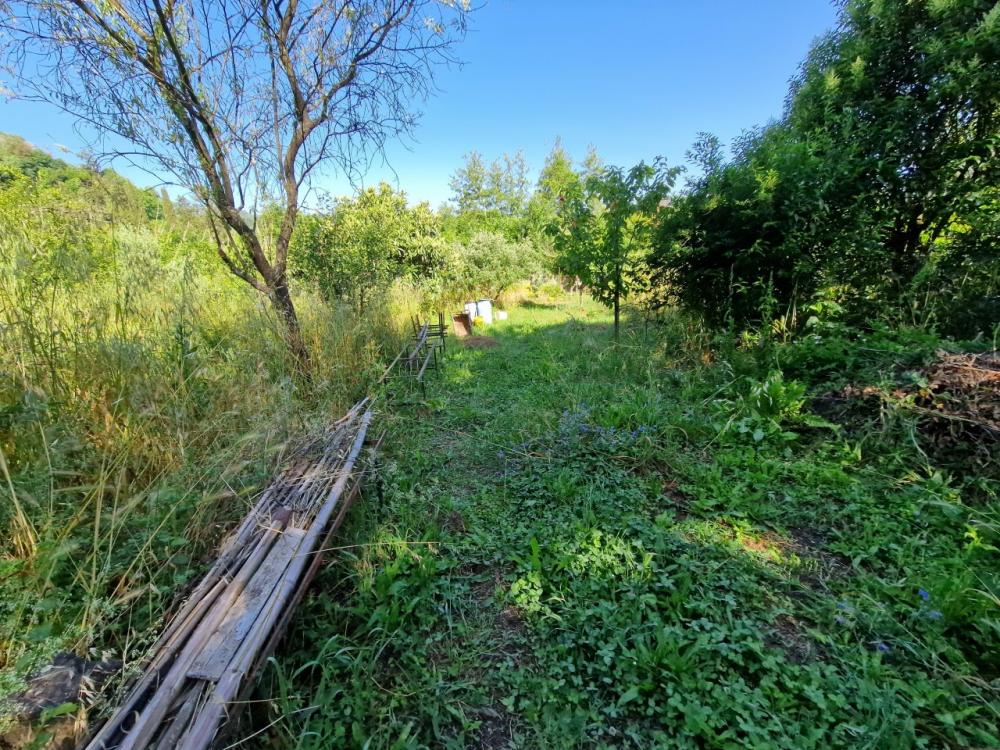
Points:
[579,546]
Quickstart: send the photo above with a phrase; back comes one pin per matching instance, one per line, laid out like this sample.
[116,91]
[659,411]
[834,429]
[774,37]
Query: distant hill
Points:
[103,189]
[21,156]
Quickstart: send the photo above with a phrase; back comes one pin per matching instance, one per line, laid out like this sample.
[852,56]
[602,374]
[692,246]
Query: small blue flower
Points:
[924,595]
[883,648]
[843,605]
[934,614]
[840,620]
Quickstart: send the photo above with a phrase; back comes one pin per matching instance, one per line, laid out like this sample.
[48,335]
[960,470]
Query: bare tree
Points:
[240,101]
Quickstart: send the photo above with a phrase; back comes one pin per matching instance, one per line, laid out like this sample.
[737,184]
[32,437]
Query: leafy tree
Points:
[469,184]
[557,183]
[490,198]
[489,264]
[365,242]
[877,180]
[611,222]
[239,102]
[747,231]
[904,95]
[502,187]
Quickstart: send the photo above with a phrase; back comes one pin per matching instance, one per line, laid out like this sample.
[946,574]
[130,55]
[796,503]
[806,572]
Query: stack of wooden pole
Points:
[205,661]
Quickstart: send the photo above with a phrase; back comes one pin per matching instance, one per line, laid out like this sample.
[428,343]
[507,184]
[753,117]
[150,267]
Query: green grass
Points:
[146,396]
[579,545]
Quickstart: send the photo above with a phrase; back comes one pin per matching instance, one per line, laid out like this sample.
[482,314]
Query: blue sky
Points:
[634,78]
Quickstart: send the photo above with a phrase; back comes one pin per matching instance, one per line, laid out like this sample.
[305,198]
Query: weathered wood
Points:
[223,643]
[147,722]
[317,558]
[215,645]
[189,704]
[206,725]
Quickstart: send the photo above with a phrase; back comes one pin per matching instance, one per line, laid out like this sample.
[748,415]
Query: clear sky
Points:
[634,78]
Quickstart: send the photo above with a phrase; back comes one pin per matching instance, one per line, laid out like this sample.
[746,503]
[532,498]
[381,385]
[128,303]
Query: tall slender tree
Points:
[239,102]
[610,223]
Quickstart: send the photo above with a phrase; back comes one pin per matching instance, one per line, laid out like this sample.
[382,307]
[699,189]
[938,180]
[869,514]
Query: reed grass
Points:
[145,397]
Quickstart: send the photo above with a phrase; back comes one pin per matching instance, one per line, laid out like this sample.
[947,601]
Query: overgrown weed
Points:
[631,568]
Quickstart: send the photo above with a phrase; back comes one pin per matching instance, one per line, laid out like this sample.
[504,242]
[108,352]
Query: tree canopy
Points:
[241,103]
[610,224]
[876,190]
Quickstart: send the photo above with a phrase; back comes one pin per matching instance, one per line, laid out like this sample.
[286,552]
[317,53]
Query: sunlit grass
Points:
[574,549]
[143,403]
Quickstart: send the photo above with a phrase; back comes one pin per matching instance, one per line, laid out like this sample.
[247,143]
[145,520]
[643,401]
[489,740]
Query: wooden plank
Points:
[147,723]
[205,727]
[188,703]
[163,700]
[236,708]
[211,663]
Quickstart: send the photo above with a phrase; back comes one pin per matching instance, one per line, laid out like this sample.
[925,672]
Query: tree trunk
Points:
[617,310]
[271,282]
[618,296]
[904,241]
[281,299]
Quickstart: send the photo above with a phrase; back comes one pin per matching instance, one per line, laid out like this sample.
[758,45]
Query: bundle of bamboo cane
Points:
[207,656]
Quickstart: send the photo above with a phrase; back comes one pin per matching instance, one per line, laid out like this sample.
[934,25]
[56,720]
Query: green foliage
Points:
[488,265]
[495,199]
[877,189]
[596,564]
[609,228]
[362,244]
[145,396]
[769,407]
[502,188]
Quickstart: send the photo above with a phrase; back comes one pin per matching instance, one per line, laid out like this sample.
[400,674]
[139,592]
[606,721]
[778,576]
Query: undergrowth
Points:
[145,397]
[659,544]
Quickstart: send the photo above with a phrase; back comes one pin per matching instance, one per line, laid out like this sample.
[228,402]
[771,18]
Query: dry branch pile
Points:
[967,387]
[960,408]
[205,661]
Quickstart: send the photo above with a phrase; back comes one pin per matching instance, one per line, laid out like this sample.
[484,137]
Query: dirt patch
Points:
[821,565]
[454,523]
[852,407]
[787,634]
[767,543]
[510,621]
[812,543]
[480,342]
[497,729]
[485,590]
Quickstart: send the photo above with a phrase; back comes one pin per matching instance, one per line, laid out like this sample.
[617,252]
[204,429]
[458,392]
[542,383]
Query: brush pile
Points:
[966,387]
[959,406]
[204,663]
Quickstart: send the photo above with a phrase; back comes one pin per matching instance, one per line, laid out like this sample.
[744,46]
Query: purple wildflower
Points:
[883,648]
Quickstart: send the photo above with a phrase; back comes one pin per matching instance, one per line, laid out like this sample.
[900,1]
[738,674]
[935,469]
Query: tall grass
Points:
[145,397]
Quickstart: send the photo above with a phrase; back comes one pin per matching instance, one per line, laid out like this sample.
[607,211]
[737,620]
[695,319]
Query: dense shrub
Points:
[877,189]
